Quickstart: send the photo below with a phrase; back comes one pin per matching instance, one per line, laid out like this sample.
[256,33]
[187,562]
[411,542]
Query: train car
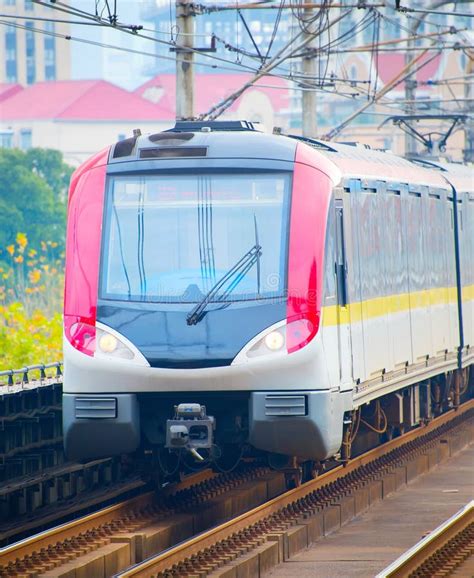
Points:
[229,290]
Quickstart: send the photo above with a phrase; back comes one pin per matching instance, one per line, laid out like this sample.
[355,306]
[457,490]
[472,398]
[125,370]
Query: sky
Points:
[122,68]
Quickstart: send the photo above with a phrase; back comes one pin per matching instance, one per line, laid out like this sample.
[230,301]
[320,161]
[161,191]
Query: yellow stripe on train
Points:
[380,306]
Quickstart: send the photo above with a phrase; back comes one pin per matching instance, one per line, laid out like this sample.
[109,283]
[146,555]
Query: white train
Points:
[228,289]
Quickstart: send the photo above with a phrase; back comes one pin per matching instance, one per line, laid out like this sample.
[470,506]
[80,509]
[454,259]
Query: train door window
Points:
[340,256]
[330,261]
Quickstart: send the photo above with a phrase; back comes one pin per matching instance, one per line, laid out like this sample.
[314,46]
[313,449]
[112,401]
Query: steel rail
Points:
[433,543]
[188,548]
[43,540]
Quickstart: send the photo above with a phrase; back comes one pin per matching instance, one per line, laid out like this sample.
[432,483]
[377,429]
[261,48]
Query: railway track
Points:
[271,529]
[64,493]
[446,551]
[273,532]
[116,536]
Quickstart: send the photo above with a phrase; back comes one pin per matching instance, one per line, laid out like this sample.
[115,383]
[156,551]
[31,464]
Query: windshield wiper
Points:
[239,270]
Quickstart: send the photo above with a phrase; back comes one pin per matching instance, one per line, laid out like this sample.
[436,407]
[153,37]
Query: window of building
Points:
[255,26]
[25,139]
[11,71]
[10,54]
[30,53]
[50,72]
[29,5]
[6,139]
[10,38]
[30,39]
[49,52]
[9,2]
[346,25]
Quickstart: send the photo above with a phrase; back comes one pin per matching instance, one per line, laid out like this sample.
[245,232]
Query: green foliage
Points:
[32,196]
[28,339]
[31,287]
[48,164]
[33,188]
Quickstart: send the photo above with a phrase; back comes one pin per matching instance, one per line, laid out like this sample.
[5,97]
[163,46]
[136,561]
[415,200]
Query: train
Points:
[230,292]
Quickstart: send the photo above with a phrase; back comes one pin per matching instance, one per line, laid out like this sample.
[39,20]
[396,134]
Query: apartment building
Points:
[29,50]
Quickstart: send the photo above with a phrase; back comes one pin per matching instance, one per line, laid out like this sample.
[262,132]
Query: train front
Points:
[193,298]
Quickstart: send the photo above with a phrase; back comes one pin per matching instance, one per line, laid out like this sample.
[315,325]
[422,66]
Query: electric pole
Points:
[469,95]
[308,113]
[184,60]
[410,93]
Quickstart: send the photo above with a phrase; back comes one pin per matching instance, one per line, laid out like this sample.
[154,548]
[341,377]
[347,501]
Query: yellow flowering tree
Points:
[33,193]
[28,339]
[31,286]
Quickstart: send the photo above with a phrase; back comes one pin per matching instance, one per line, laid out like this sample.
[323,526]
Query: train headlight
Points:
[108,343]
[114,346]
[274,341]
[278,340]
[270,343]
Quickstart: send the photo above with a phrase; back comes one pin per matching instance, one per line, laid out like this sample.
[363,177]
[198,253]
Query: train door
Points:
[353,240]
[468,280]
[464,233]
[417,274]
[343,321]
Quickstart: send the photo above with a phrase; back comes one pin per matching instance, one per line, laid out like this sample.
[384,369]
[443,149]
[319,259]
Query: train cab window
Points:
[170,238]
[340,257]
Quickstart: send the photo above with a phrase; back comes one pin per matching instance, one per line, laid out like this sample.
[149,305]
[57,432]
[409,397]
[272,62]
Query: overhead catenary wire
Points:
[407,71]
[247,69]
[132,28]
[234,68]
[441,12]
[328,50]
[208,9]
[114,47]
[118,26]
[219,108]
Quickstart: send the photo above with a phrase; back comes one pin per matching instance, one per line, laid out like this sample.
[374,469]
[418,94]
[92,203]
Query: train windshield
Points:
[170,238]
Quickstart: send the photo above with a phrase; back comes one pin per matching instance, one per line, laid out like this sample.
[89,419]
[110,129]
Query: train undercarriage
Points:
[182,438]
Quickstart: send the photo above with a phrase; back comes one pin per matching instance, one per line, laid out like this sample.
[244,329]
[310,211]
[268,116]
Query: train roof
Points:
[359,161]
[461,176]
[240,139]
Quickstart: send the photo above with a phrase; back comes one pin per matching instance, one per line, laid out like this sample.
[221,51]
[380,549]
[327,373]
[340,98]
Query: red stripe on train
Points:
[309,212]
[85,210]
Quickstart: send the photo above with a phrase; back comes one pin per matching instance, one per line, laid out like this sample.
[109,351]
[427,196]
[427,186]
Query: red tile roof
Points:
[8,90]
[389,65]
[87,100]
[211,89]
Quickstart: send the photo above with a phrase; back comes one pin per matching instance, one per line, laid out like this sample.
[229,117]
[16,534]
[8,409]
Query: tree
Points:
[32,196]
[49,165]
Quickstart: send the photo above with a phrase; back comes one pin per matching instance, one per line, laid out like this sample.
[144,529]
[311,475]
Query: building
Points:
[266,102]
[29,52]
[78,118]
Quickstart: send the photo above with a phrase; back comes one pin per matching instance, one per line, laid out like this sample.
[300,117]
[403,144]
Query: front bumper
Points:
[306,424]
[96,426]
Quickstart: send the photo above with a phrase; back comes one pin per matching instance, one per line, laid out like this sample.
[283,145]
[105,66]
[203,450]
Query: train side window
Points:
[340,257]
